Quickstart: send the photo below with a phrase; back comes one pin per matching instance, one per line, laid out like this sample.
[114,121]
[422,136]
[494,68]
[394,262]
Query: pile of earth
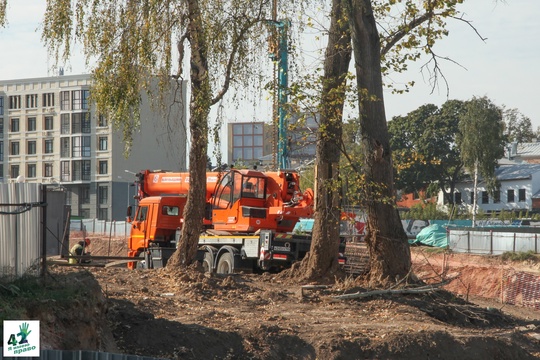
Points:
[173,314]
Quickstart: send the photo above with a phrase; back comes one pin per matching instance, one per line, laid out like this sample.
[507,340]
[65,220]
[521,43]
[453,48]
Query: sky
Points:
[504,67]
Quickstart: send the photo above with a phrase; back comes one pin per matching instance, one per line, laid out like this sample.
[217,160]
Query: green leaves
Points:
[481,139]
[3,19]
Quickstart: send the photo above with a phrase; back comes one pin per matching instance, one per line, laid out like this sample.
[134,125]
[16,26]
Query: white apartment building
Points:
[50,134]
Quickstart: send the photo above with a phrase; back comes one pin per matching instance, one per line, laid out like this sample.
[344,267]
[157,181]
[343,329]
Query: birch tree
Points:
[481,141]
[136,41]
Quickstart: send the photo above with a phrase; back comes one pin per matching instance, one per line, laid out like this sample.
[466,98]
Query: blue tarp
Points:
[432,235]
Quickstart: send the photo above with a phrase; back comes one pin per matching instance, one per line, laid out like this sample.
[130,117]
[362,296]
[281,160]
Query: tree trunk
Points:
[390,258]
[198,124]
[322,258]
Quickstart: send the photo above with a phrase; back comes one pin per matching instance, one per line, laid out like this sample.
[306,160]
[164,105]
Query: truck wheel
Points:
[208,263]
[225,264]
[141,264]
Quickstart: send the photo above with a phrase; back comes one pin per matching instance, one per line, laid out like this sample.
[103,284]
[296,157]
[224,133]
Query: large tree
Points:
[134,41]
[387,242]
[424,147]
[404,38]
[518,127]
[322,257]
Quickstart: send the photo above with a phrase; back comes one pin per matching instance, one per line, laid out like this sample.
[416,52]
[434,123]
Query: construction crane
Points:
[279,54]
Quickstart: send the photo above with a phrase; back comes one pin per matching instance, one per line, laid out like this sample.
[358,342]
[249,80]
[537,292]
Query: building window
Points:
[48,145]
[86,146]
[64,100]
[68,197]
[31,147]
[103,167]
[510,196]
[14,171]
[48,123]
[64,147]
[79,99]
[76,146]
[84,213]
[103,143]
[472,197]
[1,105]
[76,123]
[31,170]
[247,141]
[48,100]
[521,195]
[14,124]
[77,170]
[497,197]
[48,170]
[85,97]
[31,124]
[84,194]
[64,124]
[14,148]
[1,126]
[31,101]
[103,195]
[80,146]
[485,197]
[1,152]
[102,121]
[64,171]
[15,102]
[457,198]
[102,214]
[86,169]
[85,123]
[76,100]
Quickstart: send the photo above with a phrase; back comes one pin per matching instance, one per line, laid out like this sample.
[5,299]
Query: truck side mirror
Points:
[128,214]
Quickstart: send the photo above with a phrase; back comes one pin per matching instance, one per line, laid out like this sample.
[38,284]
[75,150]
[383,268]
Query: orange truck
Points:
[248,220]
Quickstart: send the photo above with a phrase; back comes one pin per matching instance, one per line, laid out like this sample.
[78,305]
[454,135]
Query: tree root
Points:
[415,290]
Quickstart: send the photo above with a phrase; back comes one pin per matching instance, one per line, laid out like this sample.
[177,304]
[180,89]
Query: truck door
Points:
[139,224]
[224,209]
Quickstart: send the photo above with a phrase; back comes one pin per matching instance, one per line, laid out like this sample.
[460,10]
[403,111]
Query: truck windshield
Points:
[141,213]
[223,192]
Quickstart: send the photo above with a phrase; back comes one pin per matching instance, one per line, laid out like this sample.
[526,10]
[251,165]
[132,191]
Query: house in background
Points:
[518,153]
[519,191]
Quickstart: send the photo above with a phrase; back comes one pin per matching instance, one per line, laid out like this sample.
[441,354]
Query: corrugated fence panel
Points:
[479,241]
[81,355]
[20,228]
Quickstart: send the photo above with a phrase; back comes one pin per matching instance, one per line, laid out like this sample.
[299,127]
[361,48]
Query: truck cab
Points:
[155,223]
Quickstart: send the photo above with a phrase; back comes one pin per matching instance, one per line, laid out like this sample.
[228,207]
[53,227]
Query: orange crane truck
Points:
[247,225]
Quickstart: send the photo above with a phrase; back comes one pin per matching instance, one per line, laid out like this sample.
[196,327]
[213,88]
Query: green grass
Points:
[521,256]
[23,293]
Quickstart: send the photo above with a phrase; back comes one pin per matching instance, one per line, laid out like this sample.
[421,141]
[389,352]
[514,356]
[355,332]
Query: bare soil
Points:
[173,314]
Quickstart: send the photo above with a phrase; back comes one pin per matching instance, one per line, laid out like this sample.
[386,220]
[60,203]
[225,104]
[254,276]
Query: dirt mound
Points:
[191,315]
[176,314]
[76,321]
